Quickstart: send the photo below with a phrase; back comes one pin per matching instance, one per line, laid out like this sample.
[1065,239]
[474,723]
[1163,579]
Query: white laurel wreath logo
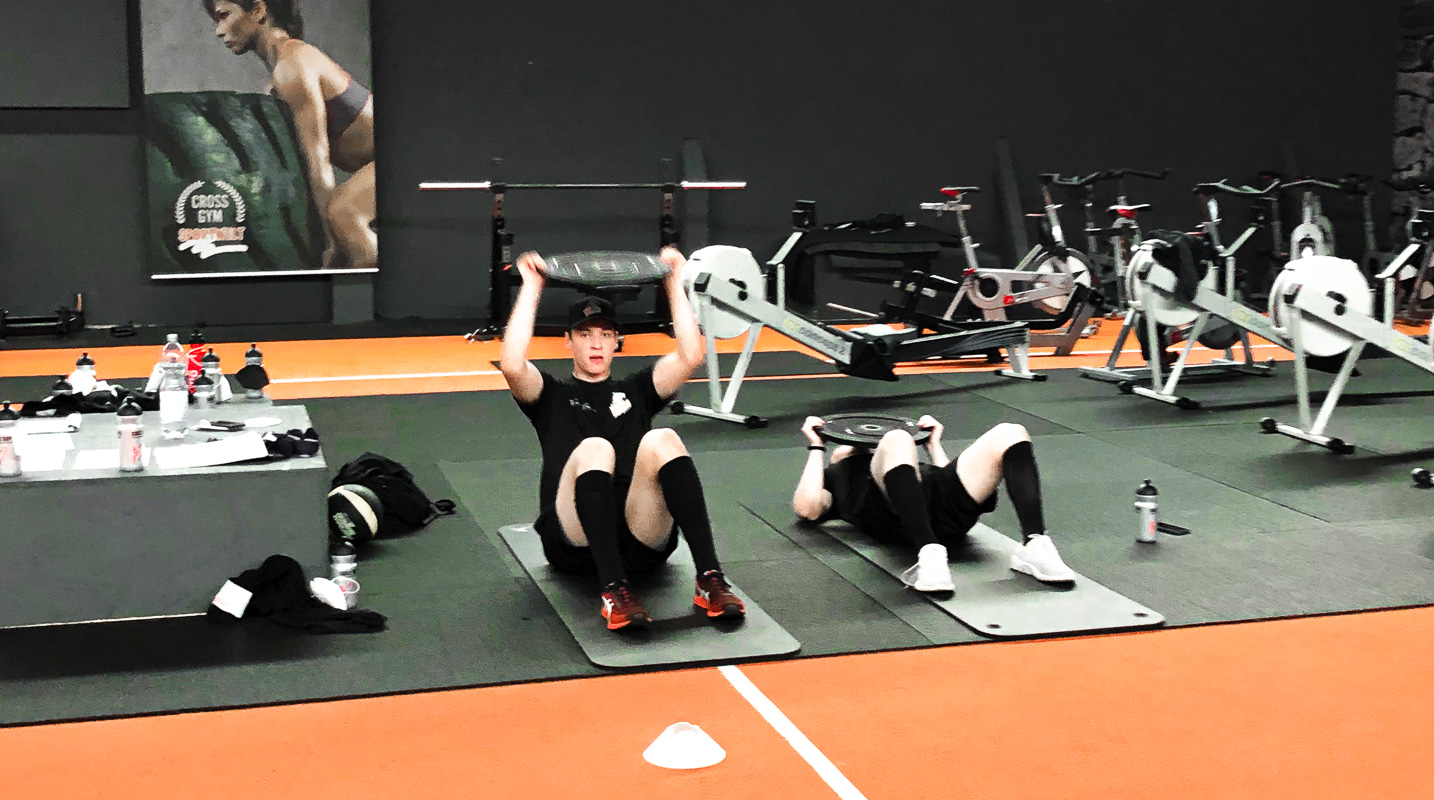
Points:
[239,208]
[184,197]
[238,199]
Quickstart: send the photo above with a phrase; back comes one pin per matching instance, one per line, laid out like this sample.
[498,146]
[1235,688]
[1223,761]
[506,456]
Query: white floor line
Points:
[798,740]
[1134,350]
[497,372]
[388,377]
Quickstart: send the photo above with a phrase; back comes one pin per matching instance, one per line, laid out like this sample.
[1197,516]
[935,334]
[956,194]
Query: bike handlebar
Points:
[1322,183]
[1420,185]
[1116,174]
[1092,179]
[1217,187]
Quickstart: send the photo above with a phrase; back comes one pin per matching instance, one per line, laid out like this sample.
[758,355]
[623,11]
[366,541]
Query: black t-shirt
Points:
[568,411]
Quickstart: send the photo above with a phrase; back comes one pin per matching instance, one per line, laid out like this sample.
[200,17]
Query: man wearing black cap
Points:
[613,489]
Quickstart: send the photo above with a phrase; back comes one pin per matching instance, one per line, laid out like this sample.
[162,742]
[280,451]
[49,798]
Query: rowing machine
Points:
[1152,310]
[1326,315]
[727,289]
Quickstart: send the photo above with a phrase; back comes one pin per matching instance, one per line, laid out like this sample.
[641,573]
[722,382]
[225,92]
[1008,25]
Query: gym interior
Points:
[1269,635]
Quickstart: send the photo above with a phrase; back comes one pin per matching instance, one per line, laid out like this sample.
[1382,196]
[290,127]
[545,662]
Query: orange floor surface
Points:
[1320,707]
[419,365]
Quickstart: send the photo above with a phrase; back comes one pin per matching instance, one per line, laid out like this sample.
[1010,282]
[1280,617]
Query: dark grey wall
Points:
[63,54]
[863,107]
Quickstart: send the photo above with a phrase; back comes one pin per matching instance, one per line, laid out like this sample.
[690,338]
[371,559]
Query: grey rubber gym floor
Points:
[1281,529]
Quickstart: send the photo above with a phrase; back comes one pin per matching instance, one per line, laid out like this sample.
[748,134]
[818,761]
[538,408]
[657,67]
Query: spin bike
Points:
[1326,304]
[1414,285]
[1122,234]
[1314,235]
[1159,304]
[1053,278]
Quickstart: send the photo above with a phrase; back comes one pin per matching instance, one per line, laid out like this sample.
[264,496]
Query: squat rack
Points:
[502,277]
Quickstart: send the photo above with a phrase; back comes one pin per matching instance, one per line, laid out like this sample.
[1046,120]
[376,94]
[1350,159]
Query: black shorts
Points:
[950,507]
[564,556]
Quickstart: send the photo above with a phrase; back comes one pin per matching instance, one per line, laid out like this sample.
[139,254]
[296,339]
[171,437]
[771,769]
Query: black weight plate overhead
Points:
[598,269]
[866,430]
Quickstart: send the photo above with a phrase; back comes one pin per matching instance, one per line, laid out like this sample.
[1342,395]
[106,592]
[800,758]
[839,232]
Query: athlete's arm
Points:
[296,80]
[811,499]
[524,379]
[933,445]
[673,369]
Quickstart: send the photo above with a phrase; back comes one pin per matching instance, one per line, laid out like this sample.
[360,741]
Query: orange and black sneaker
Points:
[715,596]
[621,608]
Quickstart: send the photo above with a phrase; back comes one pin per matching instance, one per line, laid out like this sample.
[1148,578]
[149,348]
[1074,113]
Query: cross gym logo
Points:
[218,217]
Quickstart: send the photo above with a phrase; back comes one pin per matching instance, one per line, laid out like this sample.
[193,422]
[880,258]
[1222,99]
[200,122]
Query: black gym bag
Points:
[405,506]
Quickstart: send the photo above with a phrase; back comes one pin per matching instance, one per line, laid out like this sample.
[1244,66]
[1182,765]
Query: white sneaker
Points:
[932,572]
[1039,559]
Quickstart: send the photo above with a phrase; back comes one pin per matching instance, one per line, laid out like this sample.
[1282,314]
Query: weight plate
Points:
[866,430]
[595,269]
[1220,334]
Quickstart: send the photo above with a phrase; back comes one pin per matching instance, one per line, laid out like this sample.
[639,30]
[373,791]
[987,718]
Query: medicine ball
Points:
[354,513]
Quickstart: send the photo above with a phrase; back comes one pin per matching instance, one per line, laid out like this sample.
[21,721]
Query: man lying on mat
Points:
[889,494]
[614,489]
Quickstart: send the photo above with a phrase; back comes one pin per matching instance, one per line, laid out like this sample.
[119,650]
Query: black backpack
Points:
[405,507]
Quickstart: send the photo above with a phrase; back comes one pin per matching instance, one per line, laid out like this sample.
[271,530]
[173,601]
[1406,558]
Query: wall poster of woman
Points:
[259,122]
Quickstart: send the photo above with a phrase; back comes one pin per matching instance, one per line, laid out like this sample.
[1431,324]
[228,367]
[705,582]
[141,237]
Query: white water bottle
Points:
[173,400]
[84,378]
[131,436]
[1147,502]
[173,351]
[9,457]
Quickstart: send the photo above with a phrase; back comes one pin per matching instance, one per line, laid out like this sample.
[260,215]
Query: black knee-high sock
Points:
[1023,484]
[682,490]
[903,489]
[597,511]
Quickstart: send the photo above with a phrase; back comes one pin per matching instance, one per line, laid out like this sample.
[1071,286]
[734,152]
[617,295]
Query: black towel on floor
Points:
[282,596]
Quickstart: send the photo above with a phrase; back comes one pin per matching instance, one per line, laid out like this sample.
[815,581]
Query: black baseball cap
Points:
[591,309]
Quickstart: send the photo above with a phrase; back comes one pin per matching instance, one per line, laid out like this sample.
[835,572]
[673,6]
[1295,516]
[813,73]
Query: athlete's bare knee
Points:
[594,453]
[1009,433]
[897,441]
[662,443]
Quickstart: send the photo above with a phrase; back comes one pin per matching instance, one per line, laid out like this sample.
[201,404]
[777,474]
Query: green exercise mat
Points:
[991,598]
[680,633]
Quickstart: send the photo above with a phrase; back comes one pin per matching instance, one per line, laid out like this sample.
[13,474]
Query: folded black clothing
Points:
[308,442]
[280,445]
[98,402]
[294,442]
[281,595]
